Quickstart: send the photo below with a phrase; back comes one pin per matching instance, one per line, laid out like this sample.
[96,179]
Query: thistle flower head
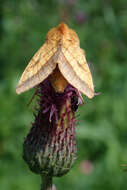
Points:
[50,146]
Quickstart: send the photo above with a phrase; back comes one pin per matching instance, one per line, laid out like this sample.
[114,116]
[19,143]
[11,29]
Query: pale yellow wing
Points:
[39,68]
[75,69]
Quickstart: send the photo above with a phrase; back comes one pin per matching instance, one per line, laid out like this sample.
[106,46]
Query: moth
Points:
[62,60]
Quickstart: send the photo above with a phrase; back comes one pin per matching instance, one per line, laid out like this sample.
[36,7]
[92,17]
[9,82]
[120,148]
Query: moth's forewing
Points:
[76,72]
[39,68]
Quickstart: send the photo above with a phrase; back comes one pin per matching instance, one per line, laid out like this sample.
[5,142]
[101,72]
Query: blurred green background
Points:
[101,131]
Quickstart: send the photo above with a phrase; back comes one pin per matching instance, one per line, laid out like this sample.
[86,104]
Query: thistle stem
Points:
[46,182]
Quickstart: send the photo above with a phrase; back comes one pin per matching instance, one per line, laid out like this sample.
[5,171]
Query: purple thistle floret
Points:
[51,101]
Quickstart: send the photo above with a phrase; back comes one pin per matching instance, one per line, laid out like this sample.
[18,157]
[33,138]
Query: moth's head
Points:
[63,33]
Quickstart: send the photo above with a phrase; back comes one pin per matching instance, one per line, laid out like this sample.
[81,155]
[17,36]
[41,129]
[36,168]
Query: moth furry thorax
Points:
[63,60]
[62,34]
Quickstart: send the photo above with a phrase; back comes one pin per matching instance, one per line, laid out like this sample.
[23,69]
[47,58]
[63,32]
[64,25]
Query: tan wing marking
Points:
[74,76]
[38,69]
